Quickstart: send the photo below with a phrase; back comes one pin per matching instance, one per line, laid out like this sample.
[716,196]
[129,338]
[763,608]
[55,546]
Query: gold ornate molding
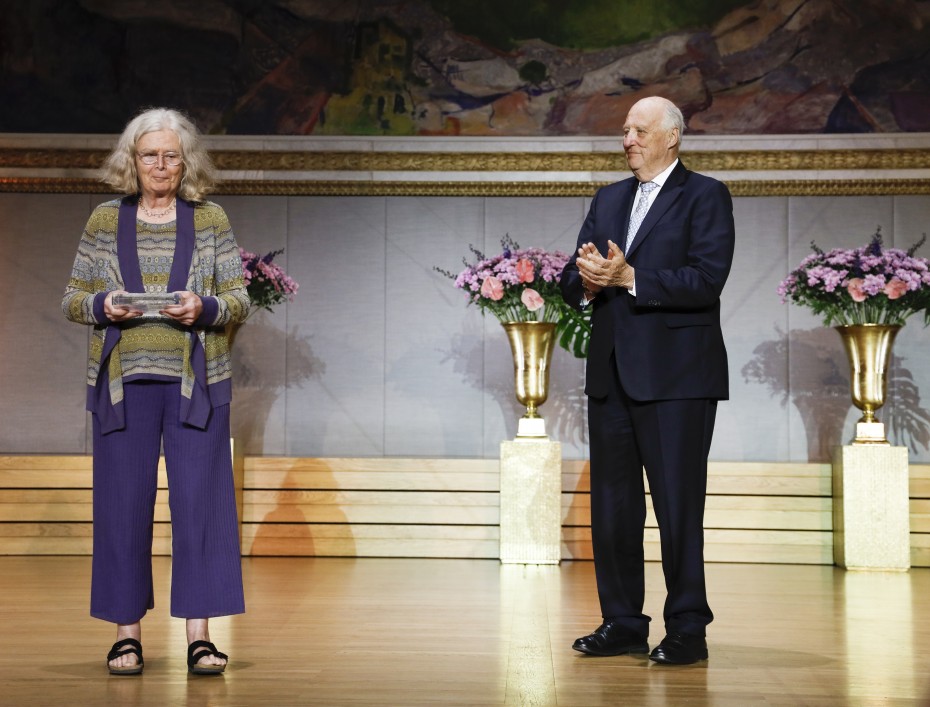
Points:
[829,187]
[257,187]
[800,160]
[399,161]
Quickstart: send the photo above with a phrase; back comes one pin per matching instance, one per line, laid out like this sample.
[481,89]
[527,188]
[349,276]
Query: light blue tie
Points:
[639,214]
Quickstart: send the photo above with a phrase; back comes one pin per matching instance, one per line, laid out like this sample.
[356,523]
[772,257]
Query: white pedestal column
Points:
[531,502]
[871,510]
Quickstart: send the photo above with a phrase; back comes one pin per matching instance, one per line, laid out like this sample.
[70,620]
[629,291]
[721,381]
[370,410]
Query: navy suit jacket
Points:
[667,339]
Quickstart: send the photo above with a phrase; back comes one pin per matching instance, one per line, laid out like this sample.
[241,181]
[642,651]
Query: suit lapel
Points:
[666,197]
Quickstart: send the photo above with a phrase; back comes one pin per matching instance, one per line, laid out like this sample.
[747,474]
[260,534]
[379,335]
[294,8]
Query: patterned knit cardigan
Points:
[215,274]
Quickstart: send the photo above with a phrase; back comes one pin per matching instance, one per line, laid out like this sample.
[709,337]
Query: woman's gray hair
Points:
[199,175]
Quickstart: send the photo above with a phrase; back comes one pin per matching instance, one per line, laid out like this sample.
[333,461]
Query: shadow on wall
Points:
[908,422]
[285,529]
[812,372]
[561,410]
[261,374]
[258,381]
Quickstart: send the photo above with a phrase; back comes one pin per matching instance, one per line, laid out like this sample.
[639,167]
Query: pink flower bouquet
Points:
[522,285]
[866,285]
[517,285]
[265,281]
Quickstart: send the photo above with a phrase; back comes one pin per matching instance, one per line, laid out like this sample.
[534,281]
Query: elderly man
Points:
[652,258]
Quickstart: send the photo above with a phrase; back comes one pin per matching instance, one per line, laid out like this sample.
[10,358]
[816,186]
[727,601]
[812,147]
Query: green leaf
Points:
[574,331]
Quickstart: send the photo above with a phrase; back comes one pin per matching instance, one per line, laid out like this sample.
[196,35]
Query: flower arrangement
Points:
[265,281]
[866,285]
[522,285]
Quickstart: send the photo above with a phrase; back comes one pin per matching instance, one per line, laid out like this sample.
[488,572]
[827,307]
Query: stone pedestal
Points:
[871,513]
[531,502]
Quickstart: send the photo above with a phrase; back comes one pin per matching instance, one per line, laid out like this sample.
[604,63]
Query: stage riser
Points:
[392,507]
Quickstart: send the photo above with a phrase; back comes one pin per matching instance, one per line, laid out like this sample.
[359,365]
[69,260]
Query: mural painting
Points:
[483,68]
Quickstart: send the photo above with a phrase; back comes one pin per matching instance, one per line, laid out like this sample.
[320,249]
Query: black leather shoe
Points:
[611,639]
[680,649]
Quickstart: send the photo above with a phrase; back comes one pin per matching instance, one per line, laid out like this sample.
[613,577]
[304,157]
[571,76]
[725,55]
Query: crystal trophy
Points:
[149,303]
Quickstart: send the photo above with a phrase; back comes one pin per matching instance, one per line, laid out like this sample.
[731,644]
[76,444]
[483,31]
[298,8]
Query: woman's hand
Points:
[188,311]
[118,314]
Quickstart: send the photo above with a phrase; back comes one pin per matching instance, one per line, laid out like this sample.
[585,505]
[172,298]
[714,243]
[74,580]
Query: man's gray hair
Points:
[673,119]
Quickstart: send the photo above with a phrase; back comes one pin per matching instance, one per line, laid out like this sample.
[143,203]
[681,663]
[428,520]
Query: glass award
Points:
[149,303]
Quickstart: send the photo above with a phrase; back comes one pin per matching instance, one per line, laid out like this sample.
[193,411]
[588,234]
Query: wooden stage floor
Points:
[332,631]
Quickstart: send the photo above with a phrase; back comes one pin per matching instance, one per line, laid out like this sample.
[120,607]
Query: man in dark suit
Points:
[656,368]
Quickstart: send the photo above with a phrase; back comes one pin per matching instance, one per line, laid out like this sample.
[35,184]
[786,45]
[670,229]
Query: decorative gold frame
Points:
[33,161]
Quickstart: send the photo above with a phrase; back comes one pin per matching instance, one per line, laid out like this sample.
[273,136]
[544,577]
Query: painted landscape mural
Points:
[483,68]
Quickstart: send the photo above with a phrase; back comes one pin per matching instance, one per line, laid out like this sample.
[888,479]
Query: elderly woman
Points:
[158,377]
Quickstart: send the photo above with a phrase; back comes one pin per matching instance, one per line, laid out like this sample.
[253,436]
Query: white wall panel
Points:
[260,353]
[335,394]
[433,383]
[552,224]
[43,356]
[911,426]
[753,424]
[379,354]
[818,375]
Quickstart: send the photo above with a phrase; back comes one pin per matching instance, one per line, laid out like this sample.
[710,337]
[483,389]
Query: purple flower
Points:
[265,281]
[869,284]
[515,268]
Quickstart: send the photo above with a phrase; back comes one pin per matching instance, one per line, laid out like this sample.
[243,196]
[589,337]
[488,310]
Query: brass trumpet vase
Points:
[868,349]
[531,344]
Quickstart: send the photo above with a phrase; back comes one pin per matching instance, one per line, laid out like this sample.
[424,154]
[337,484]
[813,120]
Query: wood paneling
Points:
[401,507]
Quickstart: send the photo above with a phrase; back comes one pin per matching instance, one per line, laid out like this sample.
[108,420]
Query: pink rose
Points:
[492,288]
[854,287]
[531,299]
[525,271]
[895,288]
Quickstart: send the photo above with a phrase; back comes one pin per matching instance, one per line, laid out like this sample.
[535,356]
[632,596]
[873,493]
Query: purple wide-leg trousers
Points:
[206,568]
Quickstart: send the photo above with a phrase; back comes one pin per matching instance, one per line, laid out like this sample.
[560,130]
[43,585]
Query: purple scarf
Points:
[196,410]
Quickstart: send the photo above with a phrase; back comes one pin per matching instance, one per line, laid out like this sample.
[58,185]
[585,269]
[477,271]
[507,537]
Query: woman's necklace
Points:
[157,214]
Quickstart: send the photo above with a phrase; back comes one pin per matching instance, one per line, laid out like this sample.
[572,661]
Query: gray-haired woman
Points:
[160,379]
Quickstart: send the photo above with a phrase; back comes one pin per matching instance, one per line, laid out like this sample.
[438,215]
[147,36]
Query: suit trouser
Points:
[671,439]
[206,569]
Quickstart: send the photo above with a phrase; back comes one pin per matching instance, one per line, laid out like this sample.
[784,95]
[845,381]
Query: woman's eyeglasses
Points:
[172,159]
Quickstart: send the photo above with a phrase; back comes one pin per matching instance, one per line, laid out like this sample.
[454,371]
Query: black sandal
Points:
[208,649]
[120,648]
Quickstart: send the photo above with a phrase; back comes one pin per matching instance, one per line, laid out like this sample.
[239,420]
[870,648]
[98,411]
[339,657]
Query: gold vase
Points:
[531,344]
[868,348]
